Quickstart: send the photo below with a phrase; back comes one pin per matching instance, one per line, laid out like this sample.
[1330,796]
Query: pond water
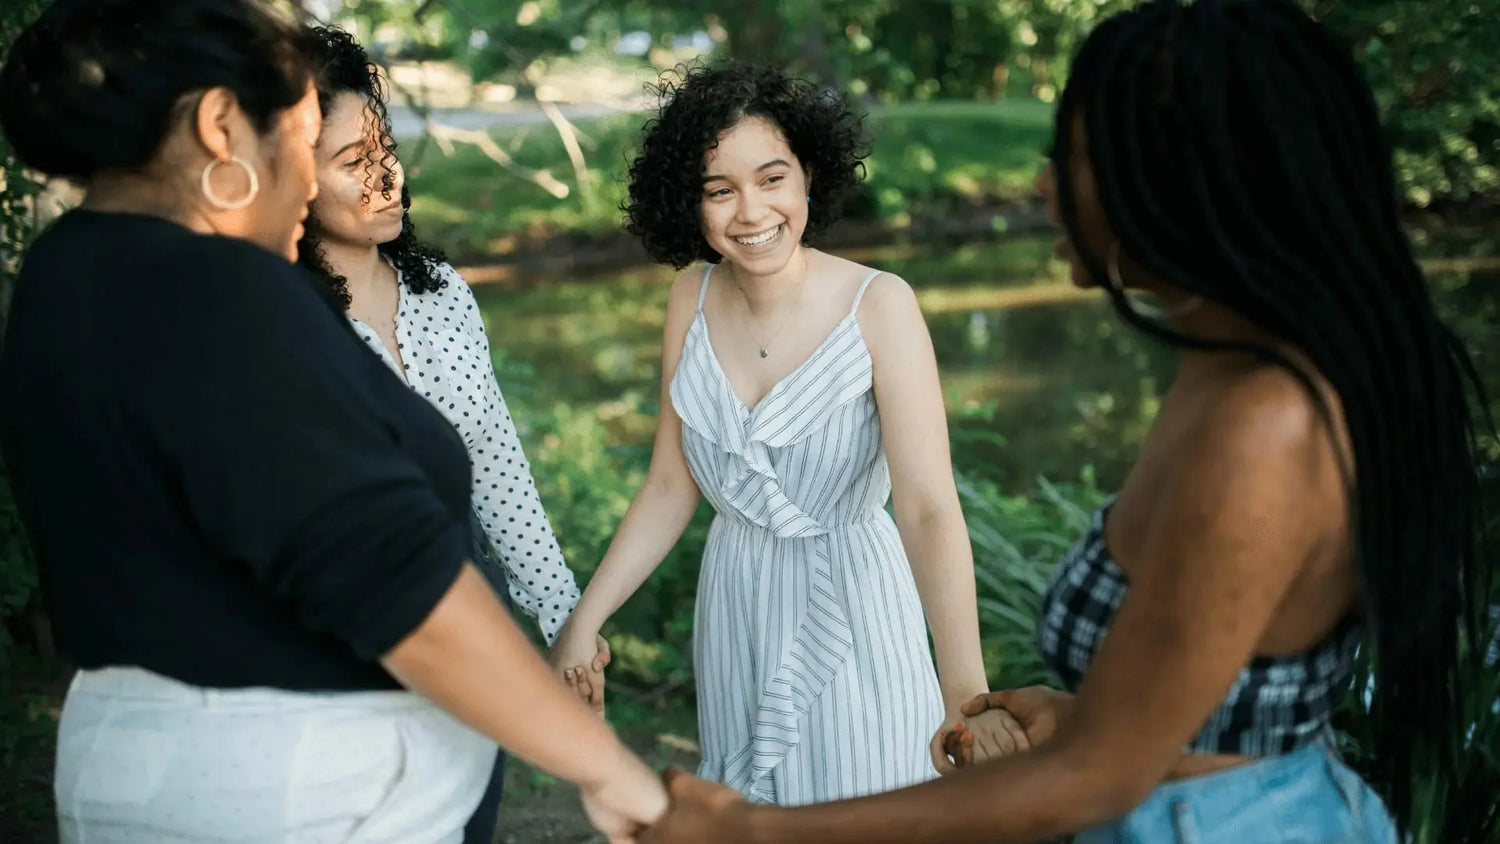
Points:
[1041,379]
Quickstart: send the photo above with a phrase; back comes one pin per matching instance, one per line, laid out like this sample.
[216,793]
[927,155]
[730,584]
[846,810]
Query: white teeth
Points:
[760,239]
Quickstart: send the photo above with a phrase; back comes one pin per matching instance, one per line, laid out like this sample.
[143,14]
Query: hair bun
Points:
[91,85]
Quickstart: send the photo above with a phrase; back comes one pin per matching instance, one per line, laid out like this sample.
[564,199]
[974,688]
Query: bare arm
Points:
[1248,502]
[470,658]
[660,512]
[915,434]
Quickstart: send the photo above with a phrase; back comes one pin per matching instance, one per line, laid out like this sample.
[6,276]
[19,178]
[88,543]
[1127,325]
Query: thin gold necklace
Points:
[765,347]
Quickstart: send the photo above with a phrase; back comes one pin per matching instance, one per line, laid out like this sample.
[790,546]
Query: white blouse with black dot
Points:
[445,356]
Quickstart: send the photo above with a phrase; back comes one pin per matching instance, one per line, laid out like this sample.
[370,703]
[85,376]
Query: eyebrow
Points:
[775,162]
[345,148]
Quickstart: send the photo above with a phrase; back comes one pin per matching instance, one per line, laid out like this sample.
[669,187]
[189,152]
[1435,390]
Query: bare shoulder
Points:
[685,287]
[1267,407]
[889,300]
[688,281]
[1263,432]
[682,305]
[894,329]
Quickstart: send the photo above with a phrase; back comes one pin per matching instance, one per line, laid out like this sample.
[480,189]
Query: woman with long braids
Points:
[417,314]
[1308,488]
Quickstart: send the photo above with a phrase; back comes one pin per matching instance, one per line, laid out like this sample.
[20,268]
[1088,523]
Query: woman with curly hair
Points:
[415,311]
[799,391]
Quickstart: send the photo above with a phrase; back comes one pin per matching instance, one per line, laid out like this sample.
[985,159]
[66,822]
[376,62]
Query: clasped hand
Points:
[993,720]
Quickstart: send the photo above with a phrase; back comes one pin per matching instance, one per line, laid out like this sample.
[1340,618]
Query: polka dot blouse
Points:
[446,357]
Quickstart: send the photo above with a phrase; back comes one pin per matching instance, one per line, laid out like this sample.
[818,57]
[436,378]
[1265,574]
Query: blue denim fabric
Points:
[1308,796]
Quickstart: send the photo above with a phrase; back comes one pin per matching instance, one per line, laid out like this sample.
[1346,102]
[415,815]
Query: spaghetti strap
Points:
[860,294]
[703,287]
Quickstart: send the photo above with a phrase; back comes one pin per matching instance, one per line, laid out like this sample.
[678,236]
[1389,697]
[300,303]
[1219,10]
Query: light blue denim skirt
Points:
[1306,796]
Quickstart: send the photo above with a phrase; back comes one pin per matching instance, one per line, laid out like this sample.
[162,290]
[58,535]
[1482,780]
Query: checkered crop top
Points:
[1275,706]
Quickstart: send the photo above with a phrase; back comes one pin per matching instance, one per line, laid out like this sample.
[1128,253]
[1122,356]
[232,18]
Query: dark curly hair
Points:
[342,66]
[666,186]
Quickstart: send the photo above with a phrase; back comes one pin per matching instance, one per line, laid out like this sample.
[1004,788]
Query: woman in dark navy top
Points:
[251,535]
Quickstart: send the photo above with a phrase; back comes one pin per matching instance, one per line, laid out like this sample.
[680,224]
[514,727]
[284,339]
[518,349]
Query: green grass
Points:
[928,159]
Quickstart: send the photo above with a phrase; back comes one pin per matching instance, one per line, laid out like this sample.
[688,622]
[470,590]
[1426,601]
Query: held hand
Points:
[946,743]
[588,681]
[699,811]
[995,735]
[625,805]
[581,663]
[1038,709]
[988,735]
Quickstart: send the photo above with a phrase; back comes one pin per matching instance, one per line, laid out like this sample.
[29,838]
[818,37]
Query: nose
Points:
[750,209]
[395,173]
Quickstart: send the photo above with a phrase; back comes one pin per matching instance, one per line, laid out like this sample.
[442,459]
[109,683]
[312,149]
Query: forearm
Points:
[472,660]
[1028,797]
[653,523]
[537,578]
[943,567]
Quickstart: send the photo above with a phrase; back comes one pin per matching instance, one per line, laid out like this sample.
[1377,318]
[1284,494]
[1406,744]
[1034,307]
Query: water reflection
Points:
[1040,378]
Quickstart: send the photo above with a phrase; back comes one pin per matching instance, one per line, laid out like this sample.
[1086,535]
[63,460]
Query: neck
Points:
[130,193]
[1216,323]
[360,265]
[766,292]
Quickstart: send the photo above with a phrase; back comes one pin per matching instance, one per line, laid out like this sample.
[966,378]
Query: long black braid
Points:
[343,66]
[1239,155]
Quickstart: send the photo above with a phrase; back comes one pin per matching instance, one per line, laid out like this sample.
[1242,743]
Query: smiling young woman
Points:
[799,394]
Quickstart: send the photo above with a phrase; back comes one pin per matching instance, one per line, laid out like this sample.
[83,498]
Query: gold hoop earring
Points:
[1152,312]
[217,202]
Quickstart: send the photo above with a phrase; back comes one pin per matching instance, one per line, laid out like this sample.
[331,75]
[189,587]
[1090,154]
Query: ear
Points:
[213,121]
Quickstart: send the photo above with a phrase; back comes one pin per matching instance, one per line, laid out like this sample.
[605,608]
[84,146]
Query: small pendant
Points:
[763,353]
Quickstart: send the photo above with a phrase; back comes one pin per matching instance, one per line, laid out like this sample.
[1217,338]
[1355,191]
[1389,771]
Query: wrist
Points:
[578,627]
[614,764]
[961,680]
[956,696]
[586,618]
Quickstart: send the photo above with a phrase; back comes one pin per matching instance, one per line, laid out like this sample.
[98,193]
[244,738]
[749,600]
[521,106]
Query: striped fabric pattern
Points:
[815,681]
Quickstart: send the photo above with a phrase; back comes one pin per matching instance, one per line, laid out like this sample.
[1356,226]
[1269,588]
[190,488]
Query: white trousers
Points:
[144,758]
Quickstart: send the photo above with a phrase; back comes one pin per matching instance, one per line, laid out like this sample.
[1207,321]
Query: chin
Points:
[386,235]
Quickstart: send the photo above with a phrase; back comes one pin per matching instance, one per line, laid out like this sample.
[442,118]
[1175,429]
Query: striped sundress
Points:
[815,681]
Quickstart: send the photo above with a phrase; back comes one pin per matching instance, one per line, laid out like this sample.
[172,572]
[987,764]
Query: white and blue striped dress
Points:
[815,681]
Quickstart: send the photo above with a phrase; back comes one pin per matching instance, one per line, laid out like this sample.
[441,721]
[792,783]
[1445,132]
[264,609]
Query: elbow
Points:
[930,515]
[1119,795]
[670,484]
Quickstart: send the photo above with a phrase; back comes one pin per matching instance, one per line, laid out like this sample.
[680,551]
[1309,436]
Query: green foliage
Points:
[18,190]
[1433,65]
[929,160]
[1017,542]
